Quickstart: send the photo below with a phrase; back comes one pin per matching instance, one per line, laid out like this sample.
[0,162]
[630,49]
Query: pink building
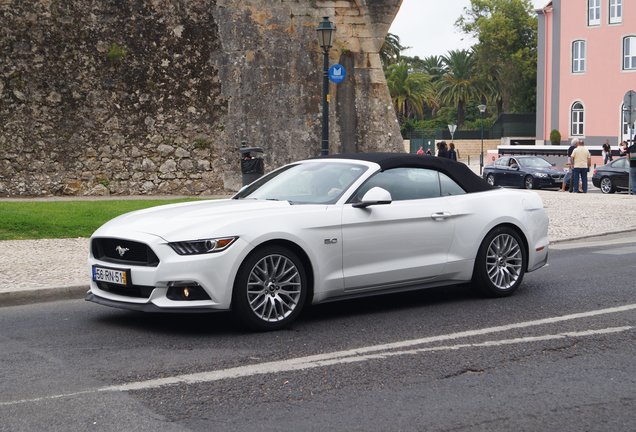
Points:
[586,64]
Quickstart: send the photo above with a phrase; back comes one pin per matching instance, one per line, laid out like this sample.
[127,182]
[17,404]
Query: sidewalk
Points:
[41,270]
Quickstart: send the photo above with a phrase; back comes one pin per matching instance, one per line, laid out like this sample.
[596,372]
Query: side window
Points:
[449,187]
[404,184]
[502,162]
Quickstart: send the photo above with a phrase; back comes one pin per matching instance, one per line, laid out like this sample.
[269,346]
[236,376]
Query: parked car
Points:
[612,177]
[530,172]
[319,230]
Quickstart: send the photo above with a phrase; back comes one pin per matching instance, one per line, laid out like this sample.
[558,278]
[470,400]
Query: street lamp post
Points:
[325,33]
[482,110]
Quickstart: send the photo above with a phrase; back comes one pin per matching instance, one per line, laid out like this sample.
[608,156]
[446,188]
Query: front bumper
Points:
[145,307]
[150,287]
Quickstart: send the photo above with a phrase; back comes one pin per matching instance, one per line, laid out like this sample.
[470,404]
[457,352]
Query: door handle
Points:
[440,216]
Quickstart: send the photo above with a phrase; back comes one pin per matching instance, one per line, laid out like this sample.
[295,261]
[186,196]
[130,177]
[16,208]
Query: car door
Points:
[516,174]
[402,243]
[621,173]
[501,171]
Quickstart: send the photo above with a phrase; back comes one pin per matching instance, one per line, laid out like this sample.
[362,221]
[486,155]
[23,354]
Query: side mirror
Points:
[374,196]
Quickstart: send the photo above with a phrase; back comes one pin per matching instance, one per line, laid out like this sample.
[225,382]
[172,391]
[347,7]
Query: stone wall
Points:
[155,96]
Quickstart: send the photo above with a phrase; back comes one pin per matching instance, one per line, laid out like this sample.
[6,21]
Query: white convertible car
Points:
[319,230]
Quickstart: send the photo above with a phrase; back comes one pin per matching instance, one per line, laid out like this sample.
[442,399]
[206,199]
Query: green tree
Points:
[434,66]
[506,55]
[410,90]
[391,50]
[460,83]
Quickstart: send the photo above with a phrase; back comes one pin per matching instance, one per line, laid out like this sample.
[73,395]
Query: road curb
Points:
[41,295]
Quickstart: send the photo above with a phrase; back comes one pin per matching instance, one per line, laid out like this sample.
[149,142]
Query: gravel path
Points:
[34,264]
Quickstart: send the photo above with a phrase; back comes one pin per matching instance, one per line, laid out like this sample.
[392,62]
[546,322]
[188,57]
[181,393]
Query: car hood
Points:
[191,220]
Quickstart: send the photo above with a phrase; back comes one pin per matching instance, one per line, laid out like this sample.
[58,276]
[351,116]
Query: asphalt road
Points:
[558,355]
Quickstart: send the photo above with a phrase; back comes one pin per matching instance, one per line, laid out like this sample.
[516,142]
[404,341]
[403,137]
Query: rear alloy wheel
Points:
[270,289]
[490,179]
[528,182]
[607,186]
[500,264]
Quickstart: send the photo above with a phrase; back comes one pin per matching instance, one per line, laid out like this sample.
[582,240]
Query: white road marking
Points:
[361,354]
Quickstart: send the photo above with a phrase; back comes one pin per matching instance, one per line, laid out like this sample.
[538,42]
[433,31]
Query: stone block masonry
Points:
[150,97]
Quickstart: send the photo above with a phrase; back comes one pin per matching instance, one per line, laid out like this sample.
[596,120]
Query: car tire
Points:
[607,186]
[500,263]
[528,182]
[490,179]
[270,289]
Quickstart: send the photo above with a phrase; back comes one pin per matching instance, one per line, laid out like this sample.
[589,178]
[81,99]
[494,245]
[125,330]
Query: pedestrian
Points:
[452,153]
[581,163]
[567,181]
[442,150]
[607,152]
[622,148]
[631,156]
[428,152]
[420,151]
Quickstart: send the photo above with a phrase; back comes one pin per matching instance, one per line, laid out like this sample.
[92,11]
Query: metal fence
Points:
[507,125]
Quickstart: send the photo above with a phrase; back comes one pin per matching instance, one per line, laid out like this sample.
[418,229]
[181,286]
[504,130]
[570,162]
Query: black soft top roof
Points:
[457,171]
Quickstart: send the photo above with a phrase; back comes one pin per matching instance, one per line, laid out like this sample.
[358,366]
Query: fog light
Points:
[186,290]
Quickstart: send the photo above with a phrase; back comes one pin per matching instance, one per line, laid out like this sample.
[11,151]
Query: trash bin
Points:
[252,166]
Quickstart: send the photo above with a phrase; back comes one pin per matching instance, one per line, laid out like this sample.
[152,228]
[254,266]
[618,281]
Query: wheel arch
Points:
[519,232]
[294,247]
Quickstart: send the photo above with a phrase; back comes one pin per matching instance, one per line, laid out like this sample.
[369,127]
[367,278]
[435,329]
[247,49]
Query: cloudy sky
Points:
[428,26]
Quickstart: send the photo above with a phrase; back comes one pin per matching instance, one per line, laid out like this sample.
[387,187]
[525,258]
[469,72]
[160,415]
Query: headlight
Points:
[198,247]
[542,175]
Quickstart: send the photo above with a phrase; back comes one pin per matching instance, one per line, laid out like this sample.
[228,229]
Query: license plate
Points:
[109,275]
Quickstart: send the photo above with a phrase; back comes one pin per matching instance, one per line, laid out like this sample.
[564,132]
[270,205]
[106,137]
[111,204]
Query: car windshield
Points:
[305,183]
[535,163]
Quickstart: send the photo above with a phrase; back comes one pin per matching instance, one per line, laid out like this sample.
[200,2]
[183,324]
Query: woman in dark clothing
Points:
[452,153]
[442,151]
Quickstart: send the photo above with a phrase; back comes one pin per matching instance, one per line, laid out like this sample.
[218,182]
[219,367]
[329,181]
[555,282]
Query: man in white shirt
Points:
[581,163]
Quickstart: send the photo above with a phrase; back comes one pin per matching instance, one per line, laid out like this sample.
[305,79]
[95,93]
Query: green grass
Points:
[64,219]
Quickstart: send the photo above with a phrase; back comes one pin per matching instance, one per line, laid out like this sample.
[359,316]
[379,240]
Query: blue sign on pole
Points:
[337,73]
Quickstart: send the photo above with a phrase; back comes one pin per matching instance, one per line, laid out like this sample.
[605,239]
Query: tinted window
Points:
[449,187]
[502,162]
[410,184]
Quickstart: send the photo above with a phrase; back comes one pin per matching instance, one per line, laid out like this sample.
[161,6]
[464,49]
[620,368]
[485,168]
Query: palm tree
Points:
[409,90]
[391,50]
[434,66]
[459,84]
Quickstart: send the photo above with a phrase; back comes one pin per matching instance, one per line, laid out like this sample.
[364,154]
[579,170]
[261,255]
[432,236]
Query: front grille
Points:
[127,252]
[139,291]
[558,176]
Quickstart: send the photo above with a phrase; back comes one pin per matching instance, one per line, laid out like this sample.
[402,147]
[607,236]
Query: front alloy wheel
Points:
[500,264]
[607,187]
[270,289]
[528,182]
[490,179]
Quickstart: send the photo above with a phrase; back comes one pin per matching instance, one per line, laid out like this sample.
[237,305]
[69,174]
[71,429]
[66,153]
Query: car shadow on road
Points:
[327,314]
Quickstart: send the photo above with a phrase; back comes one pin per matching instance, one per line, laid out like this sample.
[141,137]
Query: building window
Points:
[578,56]
[629,53]
[615,11]
[577,119]
[594,12]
